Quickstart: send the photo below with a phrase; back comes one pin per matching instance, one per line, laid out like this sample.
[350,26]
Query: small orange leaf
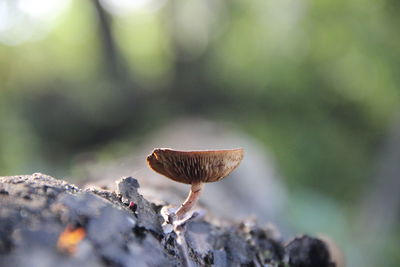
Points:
[70,238]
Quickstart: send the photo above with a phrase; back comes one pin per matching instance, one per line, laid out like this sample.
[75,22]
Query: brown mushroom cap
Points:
[195,166]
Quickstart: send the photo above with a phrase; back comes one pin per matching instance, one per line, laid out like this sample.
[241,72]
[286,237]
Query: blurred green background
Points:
[316,81]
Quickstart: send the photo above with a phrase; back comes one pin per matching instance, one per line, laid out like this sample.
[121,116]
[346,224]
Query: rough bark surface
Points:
[124,229]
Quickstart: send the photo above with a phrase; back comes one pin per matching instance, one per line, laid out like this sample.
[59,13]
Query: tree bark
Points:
[49,222]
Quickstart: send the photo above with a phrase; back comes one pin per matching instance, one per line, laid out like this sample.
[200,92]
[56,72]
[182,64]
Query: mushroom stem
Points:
[191,200]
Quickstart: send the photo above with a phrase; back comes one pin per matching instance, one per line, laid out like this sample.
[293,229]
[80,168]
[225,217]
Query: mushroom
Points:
[194,168]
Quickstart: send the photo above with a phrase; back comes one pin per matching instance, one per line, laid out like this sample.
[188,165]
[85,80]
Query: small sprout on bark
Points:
[132,206]
[194,168]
